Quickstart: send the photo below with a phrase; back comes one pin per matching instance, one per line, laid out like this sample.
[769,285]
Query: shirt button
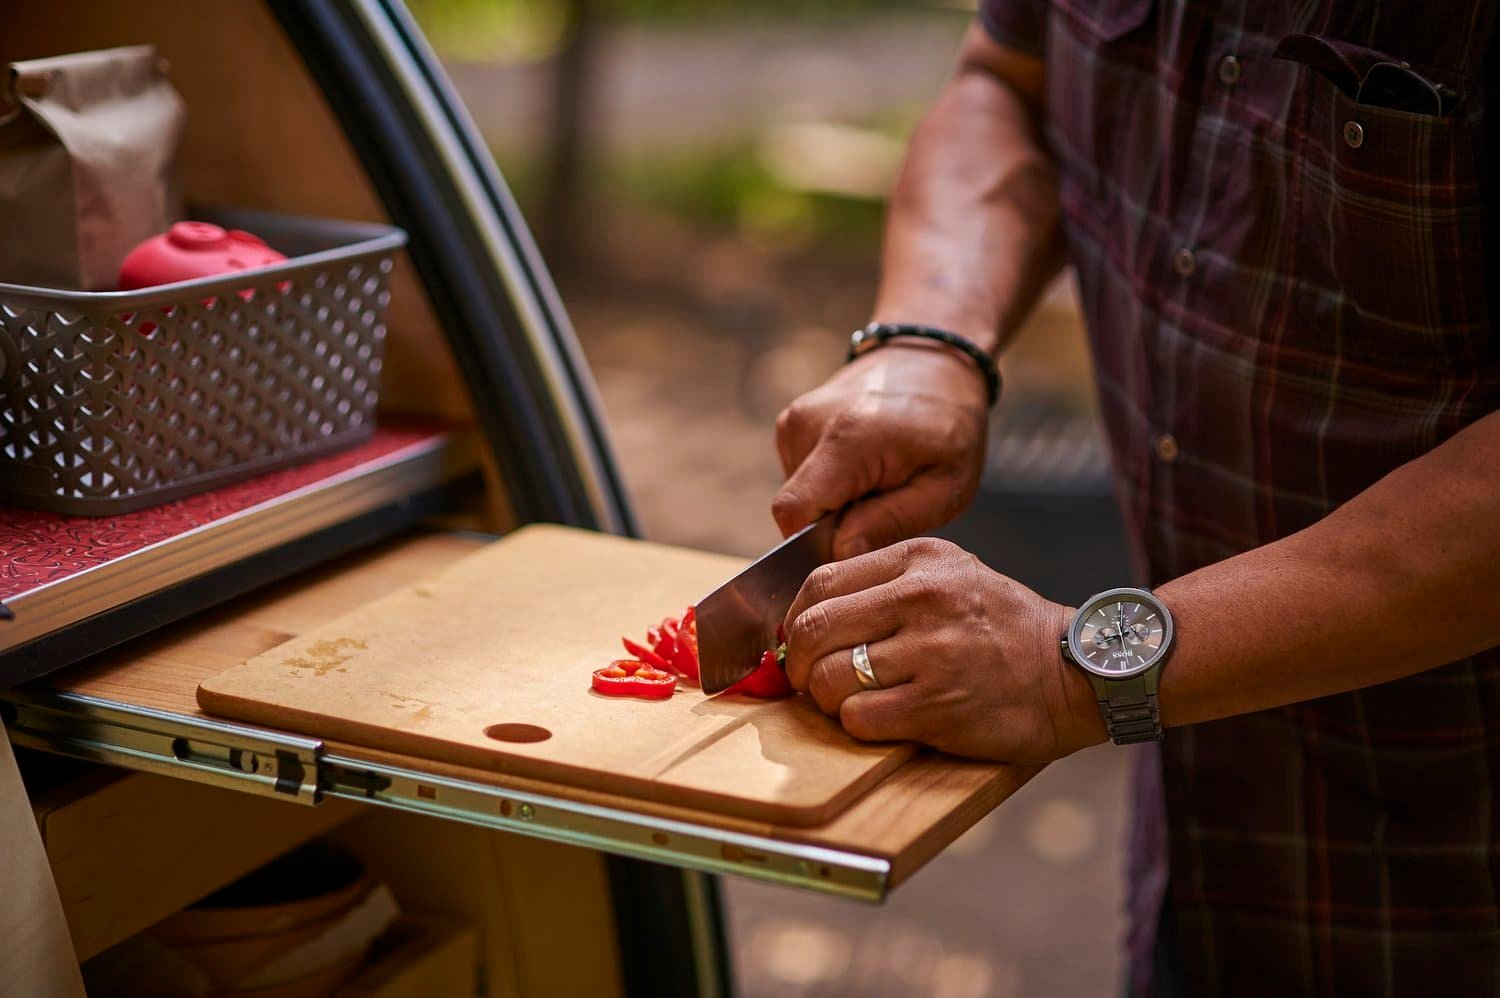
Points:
[1354,135]
[1184,262]
[1229,71]
[1167,448]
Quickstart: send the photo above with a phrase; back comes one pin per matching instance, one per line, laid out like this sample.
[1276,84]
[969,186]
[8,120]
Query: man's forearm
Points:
[1403,578]
[973,233]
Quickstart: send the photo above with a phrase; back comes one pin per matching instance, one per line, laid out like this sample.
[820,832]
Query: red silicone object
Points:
[193,249]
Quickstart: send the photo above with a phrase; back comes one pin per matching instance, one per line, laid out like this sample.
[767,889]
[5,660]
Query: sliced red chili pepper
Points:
[627,678]
[648,656]
[666,644]
[767,682]
[686,657]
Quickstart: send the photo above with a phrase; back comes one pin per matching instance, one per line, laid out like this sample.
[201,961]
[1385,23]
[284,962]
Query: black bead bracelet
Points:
[876,333]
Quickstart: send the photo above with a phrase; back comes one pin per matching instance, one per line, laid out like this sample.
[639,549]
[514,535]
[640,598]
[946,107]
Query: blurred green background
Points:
[757,182]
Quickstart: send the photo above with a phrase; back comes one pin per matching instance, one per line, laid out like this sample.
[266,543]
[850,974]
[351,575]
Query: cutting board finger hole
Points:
[522,733]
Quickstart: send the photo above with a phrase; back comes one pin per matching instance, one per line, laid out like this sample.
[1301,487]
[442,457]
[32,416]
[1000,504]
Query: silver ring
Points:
[862,669]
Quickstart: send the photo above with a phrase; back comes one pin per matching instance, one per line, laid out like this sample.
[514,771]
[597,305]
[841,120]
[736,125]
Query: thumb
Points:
[925,502]
[838,471]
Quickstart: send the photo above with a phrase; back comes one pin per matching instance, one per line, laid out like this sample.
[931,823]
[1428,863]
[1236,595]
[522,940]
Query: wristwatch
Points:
[1120,639]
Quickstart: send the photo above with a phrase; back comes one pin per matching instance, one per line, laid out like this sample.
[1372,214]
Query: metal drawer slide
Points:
[293,768]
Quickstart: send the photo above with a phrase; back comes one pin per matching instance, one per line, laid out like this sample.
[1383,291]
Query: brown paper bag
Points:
[87,143]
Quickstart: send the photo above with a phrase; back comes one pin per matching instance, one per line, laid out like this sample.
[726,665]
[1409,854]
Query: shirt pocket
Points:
[1391,231]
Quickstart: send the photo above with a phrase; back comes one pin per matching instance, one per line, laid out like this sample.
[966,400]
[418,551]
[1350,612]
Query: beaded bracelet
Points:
[876,333]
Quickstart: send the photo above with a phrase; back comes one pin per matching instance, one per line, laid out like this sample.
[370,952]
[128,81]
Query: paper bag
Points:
[87,143]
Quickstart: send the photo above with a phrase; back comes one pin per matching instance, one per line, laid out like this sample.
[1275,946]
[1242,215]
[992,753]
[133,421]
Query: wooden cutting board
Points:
[471,665]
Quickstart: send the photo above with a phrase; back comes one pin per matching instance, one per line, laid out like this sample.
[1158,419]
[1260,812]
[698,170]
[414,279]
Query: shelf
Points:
[59,572]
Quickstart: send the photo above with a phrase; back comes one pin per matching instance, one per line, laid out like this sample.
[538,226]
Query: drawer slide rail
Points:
[298,769]
[218,753]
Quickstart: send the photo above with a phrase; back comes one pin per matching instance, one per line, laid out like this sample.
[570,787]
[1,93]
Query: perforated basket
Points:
[110,401]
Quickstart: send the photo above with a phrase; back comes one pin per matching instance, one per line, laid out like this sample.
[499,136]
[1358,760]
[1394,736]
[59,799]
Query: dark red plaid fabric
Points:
[1280,246]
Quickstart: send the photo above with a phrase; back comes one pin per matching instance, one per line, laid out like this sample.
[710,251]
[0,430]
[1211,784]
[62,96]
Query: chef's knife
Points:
[738,621]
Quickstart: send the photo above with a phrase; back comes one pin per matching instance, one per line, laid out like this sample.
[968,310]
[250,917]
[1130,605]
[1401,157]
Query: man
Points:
[1280,216]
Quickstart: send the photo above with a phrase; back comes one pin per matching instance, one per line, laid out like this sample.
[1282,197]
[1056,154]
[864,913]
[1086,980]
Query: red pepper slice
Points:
[628,678]
[685,652]
[686,657]
[666,642]
[648,656]
[767,682]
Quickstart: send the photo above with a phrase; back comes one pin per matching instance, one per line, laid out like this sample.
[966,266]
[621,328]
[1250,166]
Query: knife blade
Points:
[738,621]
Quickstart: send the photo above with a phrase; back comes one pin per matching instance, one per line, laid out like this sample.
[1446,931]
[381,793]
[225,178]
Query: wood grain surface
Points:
[907,819]
[36,954]
[488,664]
[115,843]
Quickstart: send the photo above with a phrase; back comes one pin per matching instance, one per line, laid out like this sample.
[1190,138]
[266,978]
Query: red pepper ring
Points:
[628,678]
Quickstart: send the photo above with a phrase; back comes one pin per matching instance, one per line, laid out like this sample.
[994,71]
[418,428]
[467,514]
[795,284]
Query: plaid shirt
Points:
[1279,247]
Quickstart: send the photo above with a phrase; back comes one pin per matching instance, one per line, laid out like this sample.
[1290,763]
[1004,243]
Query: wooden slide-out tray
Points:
[488,663]
[903,822]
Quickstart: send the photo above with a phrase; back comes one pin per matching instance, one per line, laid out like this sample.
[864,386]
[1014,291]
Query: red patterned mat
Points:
[40,548]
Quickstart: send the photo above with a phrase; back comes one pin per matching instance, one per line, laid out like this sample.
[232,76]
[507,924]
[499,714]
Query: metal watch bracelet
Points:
[1130,712]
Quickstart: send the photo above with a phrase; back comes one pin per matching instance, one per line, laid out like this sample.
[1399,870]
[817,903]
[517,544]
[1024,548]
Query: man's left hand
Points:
[967,659]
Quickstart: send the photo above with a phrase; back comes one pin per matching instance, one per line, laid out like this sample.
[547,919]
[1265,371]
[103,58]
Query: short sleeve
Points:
[1016,24]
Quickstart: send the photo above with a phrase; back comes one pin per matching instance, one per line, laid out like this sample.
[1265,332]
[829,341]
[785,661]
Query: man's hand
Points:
[899,433]
[968,658]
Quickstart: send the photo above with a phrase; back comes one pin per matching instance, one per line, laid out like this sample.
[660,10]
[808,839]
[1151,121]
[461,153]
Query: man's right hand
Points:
[897,436]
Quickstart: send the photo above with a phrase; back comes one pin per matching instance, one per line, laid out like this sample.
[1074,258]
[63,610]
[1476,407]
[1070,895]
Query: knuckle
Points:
[926,549]
[937,548]
[813,625]
[819,584]
[848,423]
[924,585]
[909,550]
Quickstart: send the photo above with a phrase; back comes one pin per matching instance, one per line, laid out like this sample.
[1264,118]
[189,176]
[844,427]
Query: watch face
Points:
[1120,633]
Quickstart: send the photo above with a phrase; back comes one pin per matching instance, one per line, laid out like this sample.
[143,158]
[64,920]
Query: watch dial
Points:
[1119,636]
